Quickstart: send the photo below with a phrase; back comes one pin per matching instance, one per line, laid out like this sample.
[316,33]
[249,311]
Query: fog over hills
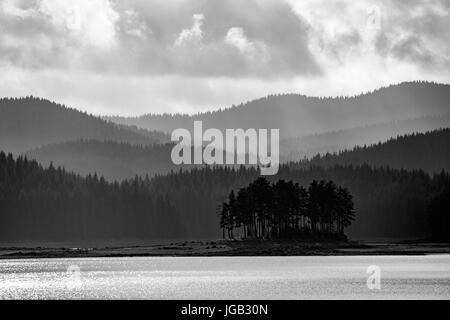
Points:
[118,161]
[29,123]
[308,125]
[112,160]
[298,115]
[295,149]
[115,161]
[53,133]
[429,152]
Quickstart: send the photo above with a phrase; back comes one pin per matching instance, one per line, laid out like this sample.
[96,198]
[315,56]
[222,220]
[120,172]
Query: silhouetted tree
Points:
[285,209]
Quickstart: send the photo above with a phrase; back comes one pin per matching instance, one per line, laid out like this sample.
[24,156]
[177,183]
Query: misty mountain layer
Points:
[295,149]
[298,115]
[118,161]
[112,160]
[426,151]
[29,123]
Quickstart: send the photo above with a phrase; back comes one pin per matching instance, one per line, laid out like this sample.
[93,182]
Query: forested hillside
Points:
[39,203]
[295,149]
[29,123]
[427,151]
[117,161]
[51,204]
[389,203]
[298,115]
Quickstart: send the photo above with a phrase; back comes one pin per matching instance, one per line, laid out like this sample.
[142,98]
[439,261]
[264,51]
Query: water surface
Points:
[402,277]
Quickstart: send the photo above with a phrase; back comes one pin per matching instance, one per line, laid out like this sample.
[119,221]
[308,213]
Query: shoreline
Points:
[223,248]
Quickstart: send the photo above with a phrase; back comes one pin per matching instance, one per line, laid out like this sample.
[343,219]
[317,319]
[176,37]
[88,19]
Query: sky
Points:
[132,57]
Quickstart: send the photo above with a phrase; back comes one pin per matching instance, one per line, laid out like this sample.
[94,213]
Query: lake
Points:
[400,277]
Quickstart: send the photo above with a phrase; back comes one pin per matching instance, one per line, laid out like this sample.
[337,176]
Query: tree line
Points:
[38,203]
[52,204]
[439,214]
[285,209]
[426,151]
[390,203]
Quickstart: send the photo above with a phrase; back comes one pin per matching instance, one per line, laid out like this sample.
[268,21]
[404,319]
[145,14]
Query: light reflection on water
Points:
[405,277]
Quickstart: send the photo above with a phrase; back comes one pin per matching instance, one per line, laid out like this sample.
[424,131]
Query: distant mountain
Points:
[295,149]
[298,115]
[109,159]
[155,137]
[112,160]
[28,123]
[118,161]
[427,151]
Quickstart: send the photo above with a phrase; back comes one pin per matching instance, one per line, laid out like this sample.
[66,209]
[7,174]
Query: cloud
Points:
[413,49]
[152,39]
[213,38]
[194,35]
[417,33]
[133,25]
[255,50]
[13,8]
[52,34]
[90,22]
[388,35]
[133,56]
[86,22]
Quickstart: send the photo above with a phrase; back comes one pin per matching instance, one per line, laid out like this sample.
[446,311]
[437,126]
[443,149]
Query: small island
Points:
[286,210]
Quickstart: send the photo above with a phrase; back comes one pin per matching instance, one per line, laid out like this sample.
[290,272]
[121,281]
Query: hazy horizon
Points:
[219,108]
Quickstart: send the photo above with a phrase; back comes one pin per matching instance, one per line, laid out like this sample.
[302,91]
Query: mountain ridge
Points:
[119,161]
[298,115]
[429,151]
[27,123]
[295,149]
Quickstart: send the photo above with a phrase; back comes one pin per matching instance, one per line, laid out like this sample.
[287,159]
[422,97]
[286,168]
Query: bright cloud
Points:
[11,8]
[254,50]
[92,22]
[135,25]
[193,35]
